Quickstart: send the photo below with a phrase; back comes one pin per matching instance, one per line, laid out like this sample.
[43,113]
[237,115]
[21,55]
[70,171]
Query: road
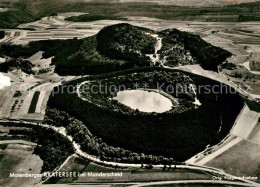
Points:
[62,131]
[239,129]
[211,182]
[198,70]
[159,183]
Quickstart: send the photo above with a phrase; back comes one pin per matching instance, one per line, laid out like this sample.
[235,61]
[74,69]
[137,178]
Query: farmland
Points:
[232,28]
[16,99]
[111,50]
[58,146]
[141,175]
[128,175]
[30,11]
[247,154]
[34,102]
[204,29]
[242,144]
[18,157]
[15,103]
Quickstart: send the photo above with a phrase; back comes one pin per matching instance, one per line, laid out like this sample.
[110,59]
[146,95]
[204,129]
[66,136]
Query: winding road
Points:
[213,171]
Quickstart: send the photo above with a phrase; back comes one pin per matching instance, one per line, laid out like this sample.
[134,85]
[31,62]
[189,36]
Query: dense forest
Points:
[126,42]
[2,34]
[90,17]
[190,49]
[23,65]
[178,135]
[182,93]
[94,145]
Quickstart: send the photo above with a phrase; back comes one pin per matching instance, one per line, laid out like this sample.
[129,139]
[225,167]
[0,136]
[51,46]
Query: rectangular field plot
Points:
[139,175]
[243,159]
[34,102]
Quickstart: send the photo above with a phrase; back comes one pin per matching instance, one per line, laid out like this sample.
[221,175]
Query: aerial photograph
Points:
[129,93]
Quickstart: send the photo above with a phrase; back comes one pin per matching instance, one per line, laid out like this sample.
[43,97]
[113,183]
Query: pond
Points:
[145,101]
[4,81]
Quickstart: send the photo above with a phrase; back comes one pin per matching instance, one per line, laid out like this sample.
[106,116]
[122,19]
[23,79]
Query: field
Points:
[140,175]
[34,102]
[58,146]
[16,106]
[30,11]
[239,150]
[254,135]
[239,155]
[224,35]
[74,164]
[18,158]
[5,130]
[16,99]
[129,175]
[244,155]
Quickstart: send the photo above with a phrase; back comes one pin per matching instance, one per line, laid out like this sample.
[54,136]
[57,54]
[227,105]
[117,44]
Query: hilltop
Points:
[122,46]
[182,48]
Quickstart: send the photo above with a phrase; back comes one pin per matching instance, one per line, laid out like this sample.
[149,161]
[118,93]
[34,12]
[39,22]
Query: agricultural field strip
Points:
[62,131]
[45,87]
[34,102]
[219,151]
[239,130]
[58,169]
[198,70]
[200,156]
[7,100]
[97,25]
[239,127]
[246,117]
[17,142]
[40,101]
[19,158]
[236,87]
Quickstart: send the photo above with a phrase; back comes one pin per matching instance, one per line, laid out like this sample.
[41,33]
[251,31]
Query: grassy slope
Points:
[18,158]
